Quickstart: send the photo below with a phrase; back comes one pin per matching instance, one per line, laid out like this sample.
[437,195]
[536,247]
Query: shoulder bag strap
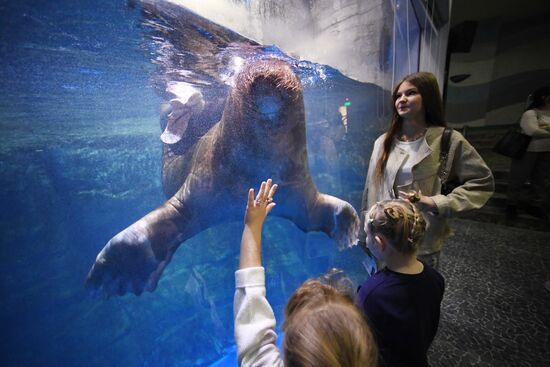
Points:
[444,154]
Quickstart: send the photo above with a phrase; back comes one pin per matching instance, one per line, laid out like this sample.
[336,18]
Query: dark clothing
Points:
[535,167]
[403,312]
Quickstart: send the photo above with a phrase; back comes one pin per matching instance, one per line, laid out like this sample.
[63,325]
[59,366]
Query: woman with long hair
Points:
[406,163]
[534,165]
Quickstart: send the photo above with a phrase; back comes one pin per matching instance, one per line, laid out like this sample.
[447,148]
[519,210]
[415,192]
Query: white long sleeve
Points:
[530,124]
[254,321]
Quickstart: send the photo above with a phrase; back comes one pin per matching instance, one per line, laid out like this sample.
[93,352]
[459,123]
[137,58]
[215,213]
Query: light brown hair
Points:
[427,86]
[324,328]
[399,221]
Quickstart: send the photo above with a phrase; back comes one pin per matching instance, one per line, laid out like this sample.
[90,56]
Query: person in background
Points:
[402,302]
[534,166]
[405,162]
[322,327]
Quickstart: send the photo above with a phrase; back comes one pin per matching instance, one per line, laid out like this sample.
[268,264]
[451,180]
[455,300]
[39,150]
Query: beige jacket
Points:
[465,166]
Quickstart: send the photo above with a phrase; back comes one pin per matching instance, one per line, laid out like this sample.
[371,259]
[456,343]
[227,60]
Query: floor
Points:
[496,310]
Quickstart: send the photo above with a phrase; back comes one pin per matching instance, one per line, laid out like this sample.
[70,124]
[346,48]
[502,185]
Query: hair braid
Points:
[418,226]
[400,221]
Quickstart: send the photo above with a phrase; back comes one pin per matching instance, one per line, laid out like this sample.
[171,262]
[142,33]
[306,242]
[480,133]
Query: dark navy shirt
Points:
[403,312]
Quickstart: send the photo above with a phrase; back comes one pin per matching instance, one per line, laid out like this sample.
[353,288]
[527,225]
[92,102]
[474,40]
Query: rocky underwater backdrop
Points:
[80,159]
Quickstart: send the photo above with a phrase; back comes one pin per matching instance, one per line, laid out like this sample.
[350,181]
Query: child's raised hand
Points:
[258,208]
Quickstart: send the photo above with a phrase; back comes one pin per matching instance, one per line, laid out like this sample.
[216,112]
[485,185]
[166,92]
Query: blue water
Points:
[80,160]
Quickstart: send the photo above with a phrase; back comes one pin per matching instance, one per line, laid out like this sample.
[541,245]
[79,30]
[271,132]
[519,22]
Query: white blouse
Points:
[536,123]
[404,177]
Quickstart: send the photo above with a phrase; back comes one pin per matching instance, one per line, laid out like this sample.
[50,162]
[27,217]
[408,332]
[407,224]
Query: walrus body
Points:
[261,134]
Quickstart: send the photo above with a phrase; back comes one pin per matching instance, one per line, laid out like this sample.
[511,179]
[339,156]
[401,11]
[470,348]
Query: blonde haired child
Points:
[402,301]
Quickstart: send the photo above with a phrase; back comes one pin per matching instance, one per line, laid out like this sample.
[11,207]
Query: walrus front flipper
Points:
[126,264]
[134,259]
[337,218]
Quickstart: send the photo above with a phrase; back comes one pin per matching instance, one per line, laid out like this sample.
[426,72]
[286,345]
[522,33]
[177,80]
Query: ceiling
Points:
[482,9]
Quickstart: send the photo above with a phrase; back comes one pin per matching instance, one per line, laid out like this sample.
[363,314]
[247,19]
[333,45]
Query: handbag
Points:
[446,186]
[513,144]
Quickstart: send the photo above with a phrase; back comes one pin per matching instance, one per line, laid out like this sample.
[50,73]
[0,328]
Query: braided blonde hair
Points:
[400,221]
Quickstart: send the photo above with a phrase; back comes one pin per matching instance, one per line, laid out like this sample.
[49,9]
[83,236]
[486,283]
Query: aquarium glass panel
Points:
[104,106]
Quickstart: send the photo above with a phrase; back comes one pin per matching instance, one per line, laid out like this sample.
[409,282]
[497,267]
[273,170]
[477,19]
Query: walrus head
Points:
[266,97]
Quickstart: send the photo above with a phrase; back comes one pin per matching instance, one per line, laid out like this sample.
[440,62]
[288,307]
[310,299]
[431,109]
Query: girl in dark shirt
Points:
[402,301]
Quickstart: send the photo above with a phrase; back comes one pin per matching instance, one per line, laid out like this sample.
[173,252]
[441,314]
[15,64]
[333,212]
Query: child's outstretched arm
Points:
[254,318]
[255,214]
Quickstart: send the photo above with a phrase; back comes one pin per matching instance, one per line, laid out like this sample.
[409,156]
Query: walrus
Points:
[261,134]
